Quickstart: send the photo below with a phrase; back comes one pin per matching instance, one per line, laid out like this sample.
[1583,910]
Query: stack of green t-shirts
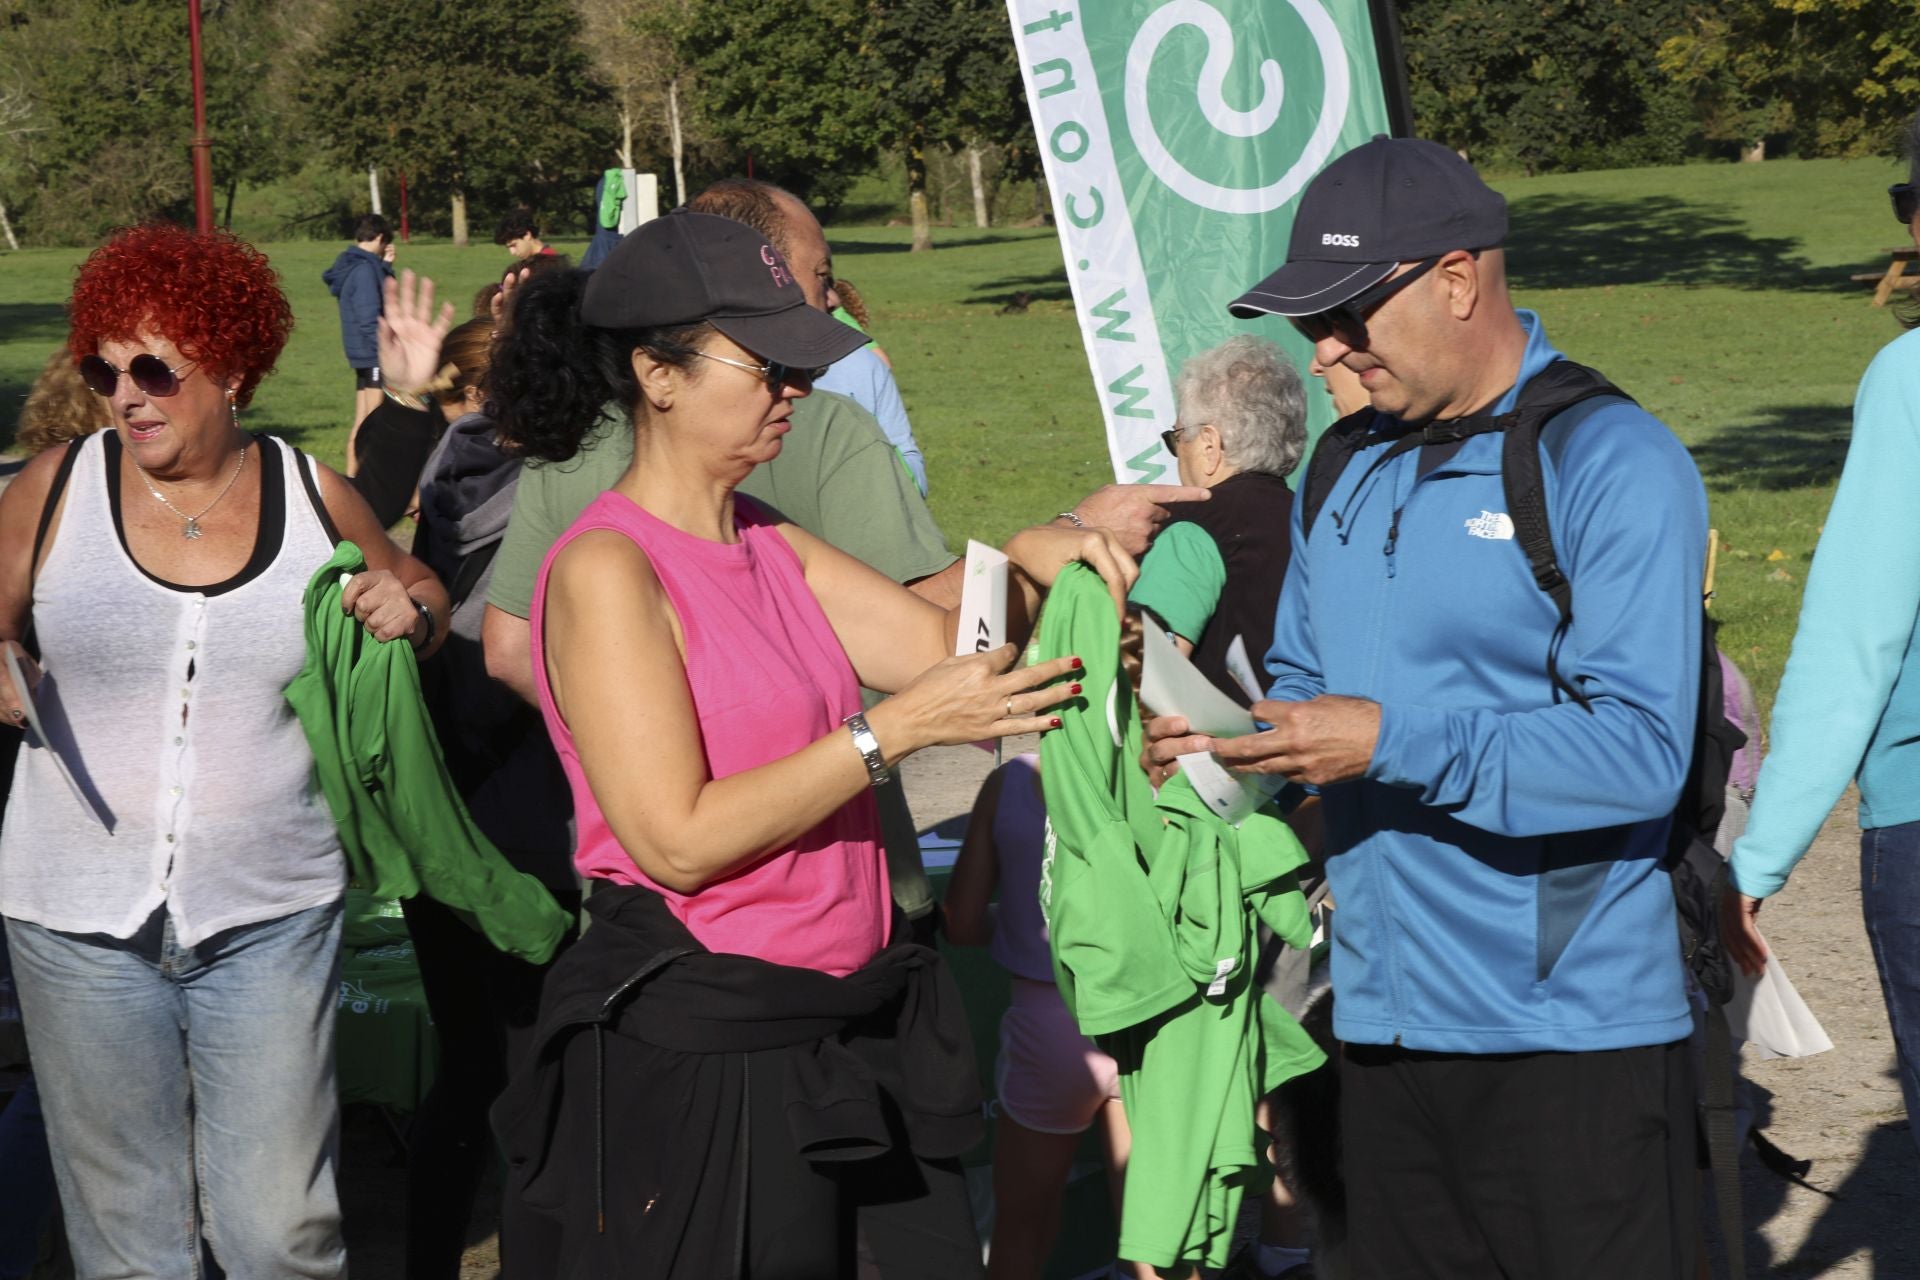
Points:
[1152,904]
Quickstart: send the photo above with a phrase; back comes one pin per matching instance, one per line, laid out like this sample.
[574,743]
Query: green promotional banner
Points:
[1177,137]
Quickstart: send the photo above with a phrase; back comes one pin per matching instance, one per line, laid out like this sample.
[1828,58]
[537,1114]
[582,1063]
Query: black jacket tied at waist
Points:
[628,1120]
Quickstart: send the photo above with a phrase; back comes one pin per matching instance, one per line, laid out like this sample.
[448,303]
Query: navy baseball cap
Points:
[689,267]
[1385,202]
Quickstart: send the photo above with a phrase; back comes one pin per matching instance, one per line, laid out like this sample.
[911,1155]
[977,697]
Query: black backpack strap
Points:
[1336,448]
[303,463]
[1542,411]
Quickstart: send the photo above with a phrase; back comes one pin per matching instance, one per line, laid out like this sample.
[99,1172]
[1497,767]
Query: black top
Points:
[1249,517]
[393,446]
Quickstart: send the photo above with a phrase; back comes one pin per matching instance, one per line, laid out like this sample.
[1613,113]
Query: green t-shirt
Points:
[836,476]
[1181,578]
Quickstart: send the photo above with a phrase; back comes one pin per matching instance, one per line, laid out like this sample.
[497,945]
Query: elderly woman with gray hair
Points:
[1215,571]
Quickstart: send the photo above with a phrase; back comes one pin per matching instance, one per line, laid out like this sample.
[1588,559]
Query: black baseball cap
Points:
[1385,202]
[689,267]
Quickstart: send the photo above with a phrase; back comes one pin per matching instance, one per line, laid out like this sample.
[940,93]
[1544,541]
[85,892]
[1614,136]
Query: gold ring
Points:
[1009,708]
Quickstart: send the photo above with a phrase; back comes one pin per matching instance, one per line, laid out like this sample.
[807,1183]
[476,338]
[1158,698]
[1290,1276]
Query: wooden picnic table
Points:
[1894,277]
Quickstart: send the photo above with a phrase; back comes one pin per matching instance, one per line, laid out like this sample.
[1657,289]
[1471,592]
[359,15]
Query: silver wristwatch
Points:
[869,748]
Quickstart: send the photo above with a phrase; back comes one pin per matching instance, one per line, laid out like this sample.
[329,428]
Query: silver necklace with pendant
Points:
[192,527]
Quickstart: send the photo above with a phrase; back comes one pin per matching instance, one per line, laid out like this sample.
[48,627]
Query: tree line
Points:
[485,104]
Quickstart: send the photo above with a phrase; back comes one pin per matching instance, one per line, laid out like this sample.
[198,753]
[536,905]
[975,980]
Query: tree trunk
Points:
[373,189]
[979,187]
[6,227]
[459,218]
[679,142]
[233,189]
[917,194]
[1755,153]
[626,136]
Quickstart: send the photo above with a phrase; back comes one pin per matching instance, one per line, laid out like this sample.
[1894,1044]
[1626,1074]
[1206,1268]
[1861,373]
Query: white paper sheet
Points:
[1171,685]
[1768,1013]
[1242,670]
[983,601]
[59,748]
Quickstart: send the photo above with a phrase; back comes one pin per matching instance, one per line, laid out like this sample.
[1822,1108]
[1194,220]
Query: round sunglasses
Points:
[149,373]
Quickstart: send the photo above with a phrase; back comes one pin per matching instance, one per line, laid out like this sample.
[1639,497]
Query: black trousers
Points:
[1541,1166]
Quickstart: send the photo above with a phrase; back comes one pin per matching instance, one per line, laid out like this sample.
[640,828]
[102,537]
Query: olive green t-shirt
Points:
[836,476]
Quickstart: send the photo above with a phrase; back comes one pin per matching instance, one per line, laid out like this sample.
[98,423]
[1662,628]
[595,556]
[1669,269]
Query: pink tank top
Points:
[768,677]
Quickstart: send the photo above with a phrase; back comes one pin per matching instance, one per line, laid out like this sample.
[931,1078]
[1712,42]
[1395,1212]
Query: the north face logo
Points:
[1334,237]
[1491,524]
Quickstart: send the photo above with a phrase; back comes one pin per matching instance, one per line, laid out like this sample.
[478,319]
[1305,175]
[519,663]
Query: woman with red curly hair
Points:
[177,963]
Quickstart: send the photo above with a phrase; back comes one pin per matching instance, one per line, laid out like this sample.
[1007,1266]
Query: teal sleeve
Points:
[1856,623]
[1181,579]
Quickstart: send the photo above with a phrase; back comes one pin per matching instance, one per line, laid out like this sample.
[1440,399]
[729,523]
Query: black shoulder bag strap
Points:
[29,639]
[1331,454]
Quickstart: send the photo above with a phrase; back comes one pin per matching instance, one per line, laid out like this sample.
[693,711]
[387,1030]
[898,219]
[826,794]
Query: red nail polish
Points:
[1077,664]
[1074,689]
[1054,723]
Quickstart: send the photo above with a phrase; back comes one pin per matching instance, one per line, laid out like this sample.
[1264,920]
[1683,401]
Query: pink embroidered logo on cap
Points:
[776,266]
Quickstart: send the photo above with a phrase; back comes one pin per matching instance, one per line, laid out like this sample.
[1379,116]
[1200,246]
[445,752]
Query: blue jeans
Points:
[1890,900]
[189,1094]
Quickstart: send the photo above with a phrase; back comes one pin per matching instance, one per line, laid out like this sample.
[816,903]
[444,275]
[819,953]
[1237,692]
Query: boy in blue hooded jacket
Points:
[358,278]
[1517,1093]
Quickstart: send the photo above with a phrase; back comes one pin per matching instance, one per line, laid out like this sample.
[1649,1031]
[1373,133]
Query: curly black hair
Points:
[553,374]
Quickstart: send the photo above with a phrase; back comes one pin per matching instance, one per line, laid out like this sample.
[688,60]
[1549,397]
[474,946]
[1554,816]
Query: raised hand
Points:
[410,333]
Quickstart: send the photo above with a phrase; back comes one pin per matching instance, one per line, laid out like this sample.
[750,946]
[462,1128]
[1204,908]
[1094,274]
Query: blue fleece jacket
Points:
[358,278]
[1849,703]
[1497,870]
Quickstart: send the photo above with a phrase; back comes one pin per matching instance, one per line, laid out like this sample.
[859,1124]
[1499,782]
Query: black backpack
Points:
[1541,418]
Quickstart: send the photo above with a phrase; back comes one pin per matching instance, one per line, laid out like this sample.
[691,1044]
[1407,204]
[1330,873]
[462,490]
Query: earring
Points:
[233,409]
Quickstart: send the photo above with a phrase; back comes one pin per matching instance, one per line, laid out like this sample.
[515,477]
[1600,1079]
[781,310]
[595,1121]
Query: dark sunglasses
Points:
[1906,202]
[1348,321]
[1171,438]
[149,373]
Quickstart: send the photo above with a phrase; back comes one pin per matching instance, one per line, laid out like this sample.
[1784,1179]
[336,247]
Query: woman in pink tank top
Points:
[699,660]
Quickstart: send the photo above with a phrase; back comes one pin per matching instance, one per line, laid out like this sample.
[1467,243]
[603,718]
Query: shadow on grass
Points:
[20,321]
[1557,242]
[1049,287]
[1794,447]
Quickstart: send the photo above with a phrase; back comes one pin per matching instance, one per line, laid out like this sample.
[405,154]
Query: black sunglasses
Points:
[149,373]
[1348,321]
[1906,202]
[1171,438]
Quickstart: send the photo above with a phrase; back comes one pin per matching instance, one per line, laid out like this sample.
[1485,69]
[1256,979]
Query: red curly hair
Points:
[214,297]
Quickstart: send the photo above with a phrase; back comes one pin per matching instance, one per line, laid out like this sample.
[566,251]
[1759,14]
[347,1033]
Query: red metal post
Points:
[202,145]
[403,206]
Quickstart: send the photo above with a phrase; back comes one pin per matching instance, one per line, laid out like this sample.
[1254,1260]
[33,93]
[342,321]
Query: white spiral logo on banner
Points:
[1229,120]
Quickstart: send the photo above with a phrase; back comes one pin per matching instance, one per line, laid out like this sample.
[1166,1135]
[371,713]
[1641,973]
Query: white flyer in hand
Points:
[1768,1013]
[983,601]
[58,748]
[1172,686]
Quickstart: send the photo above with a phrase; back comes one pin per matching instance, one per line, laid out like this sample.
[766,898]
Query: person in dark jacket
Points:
[357,278]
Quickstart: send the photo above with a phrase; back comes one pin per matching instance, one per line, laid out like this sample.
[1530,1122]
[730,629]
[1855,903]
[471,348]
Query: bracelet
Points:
[869,748]
[1072,519]
[432,627]
[405,399]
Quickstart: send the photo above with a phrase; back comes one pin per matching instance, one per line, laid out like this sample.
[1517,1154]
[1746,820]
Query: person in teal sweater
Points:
[1849,705]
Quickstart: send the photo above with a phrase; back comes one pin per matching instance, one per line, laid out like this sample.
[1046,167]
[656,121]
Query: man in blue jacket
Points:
[1517,1094]
[358,277]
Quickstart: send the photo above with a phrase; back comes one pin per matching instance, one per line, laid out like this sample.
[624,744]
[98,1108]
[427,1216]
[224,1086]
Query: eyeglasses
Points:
[1171,438]
[1348,321]
[1906,202]
[773,373]
[149,373]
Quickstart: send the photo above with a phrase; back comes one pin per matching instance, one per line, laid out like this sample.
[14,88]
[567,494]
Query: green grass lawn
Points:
[1716,294]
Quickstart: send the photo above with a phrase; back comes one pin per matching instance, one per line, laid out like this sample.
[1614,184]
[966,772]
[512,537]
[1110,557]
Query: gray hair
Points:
[1252,395]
